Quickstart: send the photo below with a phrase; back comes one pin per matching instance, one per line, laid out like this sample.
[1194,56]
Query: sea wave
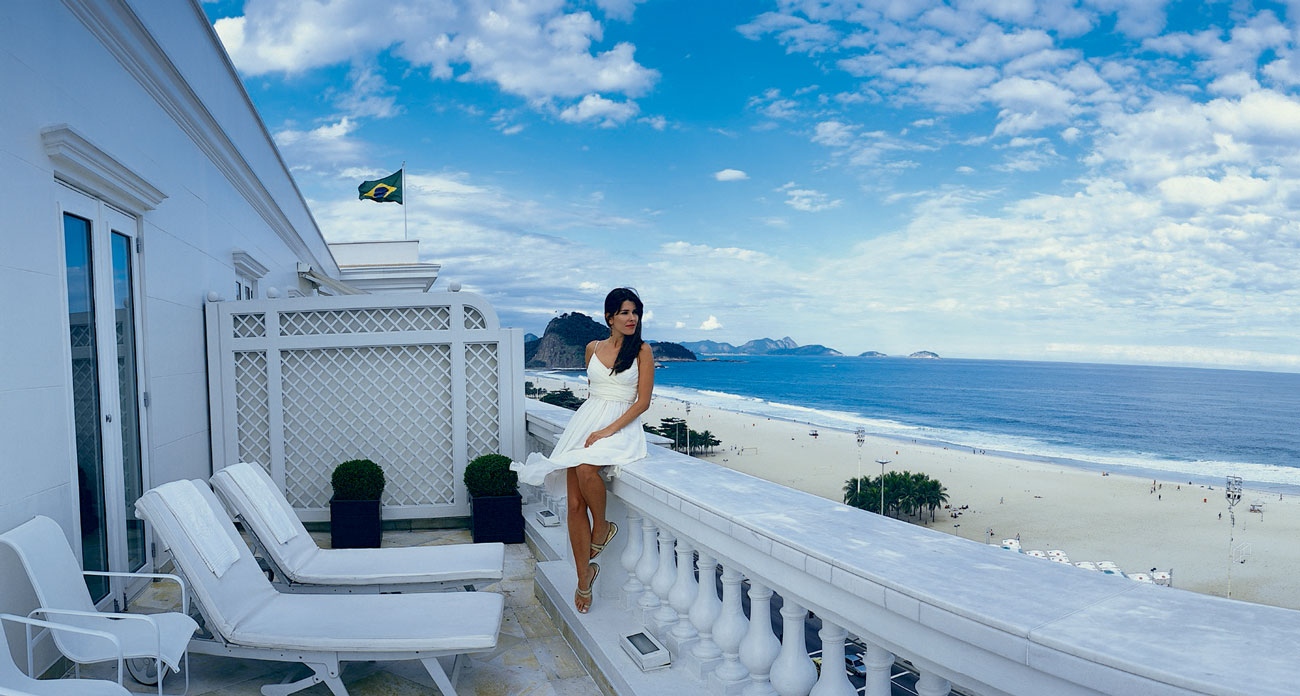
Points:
[1201,471]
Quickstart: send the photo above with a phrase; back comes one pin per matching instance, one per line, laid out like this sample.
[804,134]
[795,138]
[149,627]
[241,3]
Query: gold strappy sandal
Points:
[586,594]
[609,536]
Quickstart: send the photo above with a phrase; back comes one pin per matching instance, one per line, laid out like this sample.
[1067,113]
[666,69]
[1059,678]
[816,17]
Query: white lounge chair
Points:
[14,683]
[299,565]
[61,591]
[248,618]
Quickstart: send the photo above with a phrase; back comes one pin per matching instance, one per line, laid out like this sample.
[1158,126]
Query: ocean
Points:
[1203,424]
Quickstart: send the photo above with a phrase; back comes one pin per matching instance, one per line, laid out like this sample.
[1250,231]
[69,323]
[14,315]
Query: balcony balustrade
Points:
[961,614]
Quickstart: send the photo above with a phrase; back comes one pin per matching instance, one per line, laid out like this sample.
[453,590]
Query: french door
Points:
[103,285]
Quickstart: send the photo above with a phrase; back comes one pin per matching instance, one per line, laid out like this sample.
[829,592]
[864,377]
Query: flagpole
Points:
[405,233]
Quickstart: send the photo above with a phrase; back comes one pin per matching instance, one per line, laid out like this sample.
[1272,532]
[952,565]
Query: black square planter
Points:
[497,518]
[355,524]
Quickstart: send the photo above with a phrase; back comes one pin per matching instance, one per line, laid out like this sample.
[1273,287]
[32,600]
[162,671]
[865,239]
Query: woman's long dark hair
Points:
[631,344]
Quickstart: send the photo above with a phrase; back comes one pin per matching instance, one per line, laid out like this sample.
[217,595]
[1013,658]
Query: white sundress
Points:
[609,398]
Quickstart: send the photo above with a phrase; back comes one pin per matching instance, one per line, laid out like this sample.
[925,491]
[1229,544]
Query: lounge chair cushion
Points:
[241,590]
[412,564]
[304,562]
[456,621]
[265,502]
[216,549]
[247,610]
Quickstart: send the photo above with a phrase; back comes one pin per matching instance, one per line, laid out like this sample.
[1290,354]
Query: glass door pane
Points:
[85,397]
[128,391]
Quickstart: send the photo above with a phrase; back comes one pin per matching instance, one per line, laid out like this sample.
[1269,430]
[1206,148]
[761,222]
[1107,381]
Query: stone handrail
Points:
[964,614]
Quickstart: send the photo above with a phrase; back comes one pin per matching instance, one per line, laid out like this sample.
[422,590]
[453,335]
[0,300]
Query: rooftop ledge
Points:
[985,619]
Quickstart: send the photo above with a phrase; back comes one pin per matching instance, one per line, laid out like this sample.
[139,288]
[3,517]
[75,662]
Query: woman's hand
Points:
[597,435]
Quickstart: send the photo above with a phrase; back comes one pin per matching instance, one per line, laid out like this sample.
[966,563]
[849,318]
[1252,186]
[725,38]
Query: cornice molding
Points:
[248,266]
[118,28]
[82,163]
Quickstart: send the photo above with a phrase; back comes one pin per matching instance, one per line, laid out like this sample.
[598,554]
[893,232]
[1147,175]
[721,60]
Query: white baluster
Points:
[646,567]
[682,595]
[704,611]
[663,581]
[633,588]
[834,680]
[728,631]
[879,662]
[793,673]
[759,647]
[931,684]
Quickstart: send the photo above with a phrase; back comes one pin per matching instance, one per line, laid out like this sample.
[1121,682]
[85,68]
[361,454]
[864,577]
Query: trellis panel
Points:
[420,384]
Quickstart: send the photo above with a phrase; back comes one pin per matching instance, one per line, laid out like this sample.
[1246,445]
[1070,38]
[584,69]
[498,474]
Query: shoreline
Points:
[1137,520]
[1272,487]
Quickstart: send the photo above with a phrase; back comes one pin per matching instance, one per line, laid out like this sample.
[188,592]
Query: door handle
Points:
[108,417]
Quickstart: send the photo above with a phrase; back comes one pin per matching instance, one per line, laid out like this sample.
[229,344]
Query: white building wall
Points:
[148,83]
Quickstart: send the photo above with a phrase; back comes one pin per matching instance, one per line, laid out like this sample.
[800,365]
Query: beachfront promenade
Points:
[964,614]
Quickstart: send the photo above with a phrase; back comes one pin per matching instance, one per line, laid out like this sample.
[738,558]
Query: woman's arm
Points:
[645,385]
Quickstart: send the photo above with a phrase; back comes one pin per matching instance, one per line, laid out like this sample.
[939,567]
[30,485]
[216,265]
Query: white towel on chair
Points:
[266,502]
[204,531]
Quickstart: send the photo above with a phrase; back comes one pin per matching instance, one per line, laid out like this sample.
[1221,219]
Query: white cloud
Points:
[328,144]
[530,48]
[679,325]
[588,286]
[621,10]
[807,200]
[656,122]
[710,324]
[606,112]
[730,175]
[833,133]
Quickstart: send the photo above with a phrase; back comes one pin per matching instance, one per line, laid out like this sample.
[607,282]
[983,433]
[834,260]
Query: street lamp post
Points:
[688,428]
[861,434]
[882,463]
[1233,495]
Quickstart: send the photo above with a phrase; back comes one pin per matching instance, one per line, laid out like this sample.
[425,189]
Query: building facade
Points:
[140,183]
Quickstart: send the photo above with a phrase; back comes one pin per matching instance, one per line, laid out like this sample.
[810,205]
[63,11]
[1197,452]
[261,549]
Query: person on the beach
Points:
[603,435]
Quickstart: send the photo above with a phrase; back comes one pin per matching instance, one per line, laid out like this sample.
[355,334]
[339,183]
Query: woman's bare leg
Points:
[579,535]
[593,492]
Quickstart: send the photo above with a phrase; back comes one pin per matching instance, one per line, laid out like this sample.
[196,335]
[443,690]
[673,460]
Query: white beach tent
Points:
[1035,553]
[1087,565]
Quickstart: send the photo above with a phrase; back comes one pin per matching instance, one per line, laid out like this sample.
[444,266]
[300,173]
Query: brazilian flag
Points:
[385,190]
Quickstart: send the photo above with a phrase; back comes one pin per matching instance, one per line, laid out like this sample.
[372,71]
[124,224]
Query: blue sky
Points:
[1097,181]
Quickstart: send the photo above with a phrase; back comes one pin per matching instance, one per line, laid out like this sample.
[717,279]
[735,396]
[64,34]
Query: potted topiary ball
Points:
[496,508]
[355,519]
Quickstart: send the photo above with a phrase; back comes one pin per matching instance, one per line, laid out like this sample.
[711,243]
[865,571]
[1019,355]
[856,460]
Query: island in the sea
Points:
[760,346]
[872,354]
[924,355]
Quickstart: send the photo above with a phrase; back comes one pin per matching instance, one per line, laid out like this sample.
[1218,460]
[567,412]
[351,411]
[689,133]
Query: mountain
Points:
[924,354]
[708,347]
[563,345]
[671,352]
[872,354]
[564,342]
[529,337]
[758,346]
[812,349]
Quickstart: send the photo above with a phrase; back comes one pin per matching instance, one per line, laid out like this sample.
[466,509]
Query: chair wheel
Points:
[143,670]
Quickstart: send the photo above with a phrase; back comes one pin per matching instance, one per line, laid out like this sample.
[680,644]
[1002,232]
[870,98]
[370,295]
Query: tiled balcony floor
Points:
[531,657]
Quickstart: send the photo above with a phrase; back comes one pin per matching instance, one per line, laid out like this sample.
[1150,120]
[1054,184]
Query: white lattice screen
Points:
[420,384]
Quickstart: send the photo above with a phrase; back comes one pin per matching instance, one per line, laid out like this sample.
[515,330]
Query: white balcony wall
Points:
[966,615]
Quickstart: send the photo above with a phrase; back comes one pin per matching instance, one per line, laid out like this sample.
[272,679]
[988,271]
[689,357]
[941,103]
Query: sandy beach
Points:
[1091,517]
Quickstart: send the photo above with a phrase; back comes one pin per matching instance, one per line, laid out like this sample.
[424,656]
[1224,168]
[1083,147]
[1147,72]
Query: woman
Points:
[604,434]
